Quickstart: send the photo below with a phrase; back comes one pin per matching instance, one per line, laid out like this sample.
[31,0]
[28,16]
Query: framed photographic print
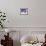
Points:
[23,11]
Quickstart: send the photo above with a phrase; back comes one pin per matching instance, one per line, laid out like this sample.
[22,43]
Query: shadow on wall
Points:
[16,43]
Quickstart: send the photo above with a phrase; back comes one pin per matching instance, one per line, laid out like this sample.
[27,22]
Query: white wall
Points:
[36,17]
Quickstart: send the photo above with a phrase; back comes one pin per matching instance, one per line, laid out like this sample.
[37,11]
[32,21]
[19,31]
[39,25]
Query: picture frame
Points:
[23,11]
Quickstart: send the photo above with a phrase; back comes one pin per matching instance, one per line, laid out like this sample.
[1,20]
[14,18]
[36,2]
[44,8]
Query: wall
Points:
[36,17]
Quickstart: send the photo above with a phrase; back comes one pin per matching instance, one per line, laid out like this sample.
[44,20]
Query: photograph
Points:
[23,11]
